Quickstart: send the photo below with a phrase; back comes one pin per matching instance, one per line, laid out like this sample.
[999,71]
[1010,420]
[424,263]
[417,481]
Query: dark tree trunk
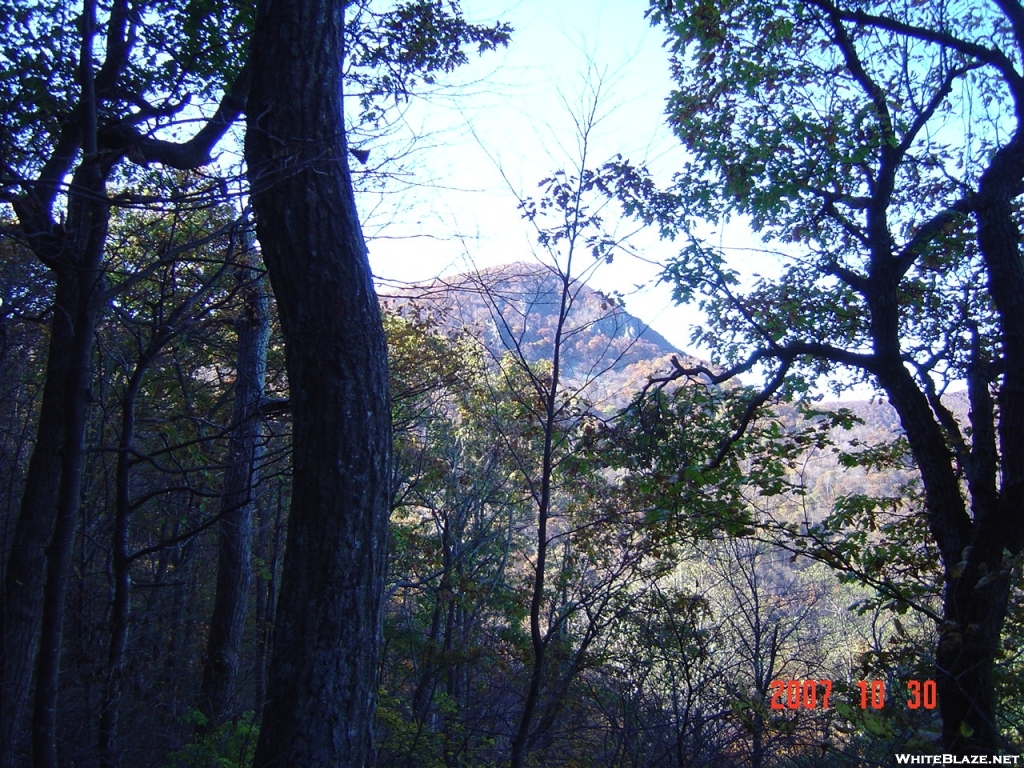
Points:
[36,572]
[26,567]
[971,546]
[72,455]
[35,580]
[120,567]
[266,598]
[971,541]
[234,568]
[974,546]
[80,259]
[977,592]
[322,686]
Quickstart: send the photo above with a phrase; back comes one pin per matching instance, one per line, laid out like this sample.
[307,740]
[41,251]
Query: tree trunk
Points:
[120,567]
[234,568]
[522,742]
[59,551]
[80,259]
[322,687]
[37,571]
[977,592]
[266,598]
[26,567]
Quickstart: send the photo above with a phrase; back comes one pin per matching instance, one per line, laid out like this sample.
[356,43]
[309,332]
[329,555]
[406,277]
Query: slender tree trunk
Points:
[121,571]
[322,688]
[234,568]
[236,530]
[522,742]
[266,605]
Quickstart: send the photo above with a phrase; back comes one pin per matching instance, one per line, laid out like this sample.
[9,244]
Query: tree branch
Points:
[1015,13]
[196,151]
[933,104]
[929,230]
[990,56]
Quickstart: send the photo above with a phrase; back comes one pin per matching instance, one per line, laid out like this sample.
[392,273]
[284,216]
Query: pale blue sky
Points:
[511,112]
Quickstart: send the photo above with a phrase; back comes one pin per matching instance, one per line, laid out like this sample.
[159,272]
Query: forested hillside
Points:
[663,635]
[262,508]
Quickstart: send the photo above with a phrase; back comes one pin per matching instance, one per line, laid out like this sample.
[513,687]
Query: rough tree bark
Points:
[322,686]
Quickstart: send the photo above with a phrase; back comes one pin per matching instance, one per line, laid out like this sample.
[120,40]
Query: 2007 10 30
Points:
[815,694]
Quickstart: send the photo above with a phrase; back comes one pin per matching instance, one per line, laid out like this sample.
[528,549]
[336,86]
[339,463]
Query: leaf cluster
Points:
[394,52]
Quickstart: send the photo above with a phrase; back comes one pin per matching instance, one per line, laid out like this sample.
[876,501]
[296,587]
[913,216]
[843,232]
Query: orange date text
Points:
[816,694]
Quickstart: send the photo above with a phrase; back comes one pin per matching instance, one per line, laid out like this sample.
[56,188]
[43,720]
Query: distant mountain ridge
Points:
[515,308]
[610,355]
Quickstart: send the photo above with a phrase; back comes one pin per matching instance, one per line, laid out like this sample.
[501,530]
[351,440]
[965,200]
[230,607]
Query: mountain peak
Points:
[516,308]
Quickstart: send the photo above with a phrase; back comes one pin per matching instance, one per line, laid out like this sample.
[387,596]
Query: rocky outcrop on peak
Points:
[516,308]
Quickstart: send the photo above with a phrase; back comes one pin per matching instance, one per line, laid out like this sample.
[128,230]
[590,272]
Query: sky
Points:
[508,120]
